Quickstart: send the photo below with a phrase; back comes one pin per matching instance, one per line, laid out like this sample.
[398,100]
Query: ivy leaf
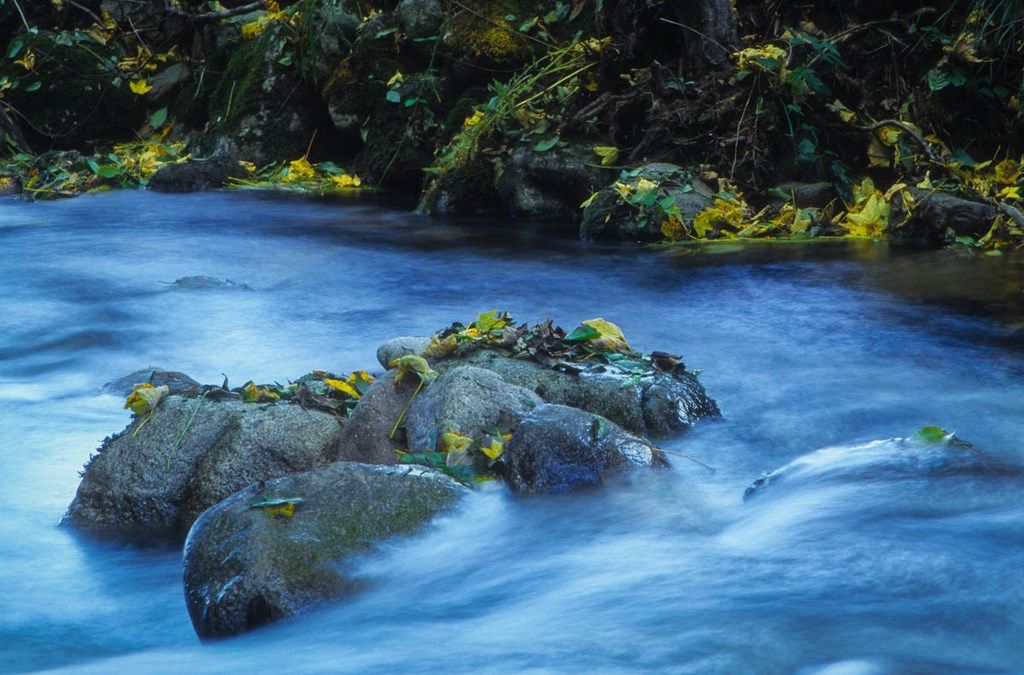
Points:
[609,154]
[158,118]
[544,146]
[933,436]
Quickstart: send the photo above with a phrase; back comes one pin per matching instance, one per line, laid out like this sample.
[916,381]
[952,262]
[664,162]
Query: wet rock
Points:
[203,282]
[938,218]
[557,448]
[610,217]
[655,406]
[398,347]
[367,436]
[260,110]
[420,18]
[245,566]
[469,400]
[888,460]
[196,175]
[177,383]
[479,34]
[337,27]
[550,185]
[805,195]
[157,476]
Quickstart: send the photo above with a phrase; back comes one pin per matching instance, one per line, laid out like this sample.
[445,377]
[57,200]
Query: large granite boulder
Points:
[246,564]
[469,400]
[156,477]
[370,435]
[657,405]
[557,448]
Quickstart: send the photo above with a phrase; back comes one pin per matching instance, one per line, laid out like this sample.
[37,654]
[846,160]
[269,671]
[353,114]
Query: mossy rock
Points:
[245,566]
[357,84]
[400,139]
[479,31]
[609,216]
[468,189]
[261,109]
[329,30]
[75,98]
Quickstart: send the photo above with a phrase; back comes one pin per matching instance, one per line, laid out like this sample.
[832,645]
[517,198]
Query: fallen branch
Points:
[82,8]
[208,17]
[909,131]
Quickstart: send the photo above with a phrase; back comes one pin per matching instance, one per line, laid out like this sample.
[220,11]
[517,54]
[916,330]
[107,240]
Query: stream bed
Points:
[803,346]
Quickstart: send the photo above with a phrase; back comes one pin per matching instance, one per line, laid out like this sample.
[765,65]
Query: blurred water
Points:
[803,346]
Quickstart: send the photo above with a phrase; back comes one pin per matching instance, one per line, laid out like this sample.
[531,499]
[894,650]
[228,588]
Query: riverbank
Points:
[646,122]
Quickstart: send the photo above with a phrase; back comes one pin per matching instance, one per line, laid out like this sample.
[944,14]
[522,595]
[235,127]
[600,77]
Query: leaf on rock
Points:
[412,363]
[277,506]
[145,398]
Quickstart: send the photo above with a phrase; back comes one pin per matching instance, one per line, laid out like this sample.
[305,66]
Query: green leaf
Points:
[582,334]
[158,118]
[544,146]
[933,435]
[393,96]
[16,46]
[35,85]
[286,60]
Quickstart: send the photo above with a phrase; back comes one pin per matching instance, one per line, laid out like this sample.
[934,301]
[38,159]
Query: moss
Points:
[481,32]
[468,189]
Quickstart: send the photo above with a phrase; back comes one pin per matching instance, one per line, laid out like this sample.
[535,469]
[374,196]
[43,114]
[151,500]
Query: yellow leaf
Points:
[889,135]
[284,508]
[722,215]
[473,119]
[609,336]
[299,170]
[145,398]
[346,181]
[869,215]
[589,200]
[344,387]
[396,78]
[357,376]
[878,154]
[457,448]
[439,349]
[411,363]
[1012,192]
[1007,172]
[752,57]
[494,449]
[248,166]
[28,61]
[645,184]
[672,228]
[609,154]
[140,87]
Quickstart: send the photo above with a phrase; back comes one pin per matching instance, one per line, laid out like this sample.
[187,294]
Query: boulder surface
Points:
[156,477]
[558,448]
[247,565]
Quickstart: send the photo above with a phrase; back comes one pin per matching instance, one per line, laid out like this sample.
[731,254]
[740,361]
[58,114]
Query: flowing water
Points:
[803,346]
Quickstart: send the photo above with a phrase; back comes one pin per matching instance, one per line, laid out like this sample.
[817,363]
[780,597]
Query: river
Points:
[803,347]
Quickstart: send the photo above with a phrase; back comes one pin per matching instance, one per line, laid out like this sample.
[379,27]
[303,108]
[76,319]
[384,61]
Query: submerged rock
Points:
[656,405]
[468,400]
[157,476]
[202,282]
[246,566]
[557,448]
[176,383]
[886,460]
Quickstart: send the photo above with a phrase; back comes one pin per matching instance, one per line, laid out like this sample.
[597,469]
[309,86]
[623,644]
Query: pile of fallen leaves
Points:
[595,345]
[299,175]
[319,390]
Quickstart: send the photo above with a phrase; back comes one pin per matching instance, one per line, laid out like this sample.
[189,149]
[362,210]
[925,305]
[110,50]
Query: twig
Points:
[22,15]
[692,459]
[83,8]
[207,17]
[909,131]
